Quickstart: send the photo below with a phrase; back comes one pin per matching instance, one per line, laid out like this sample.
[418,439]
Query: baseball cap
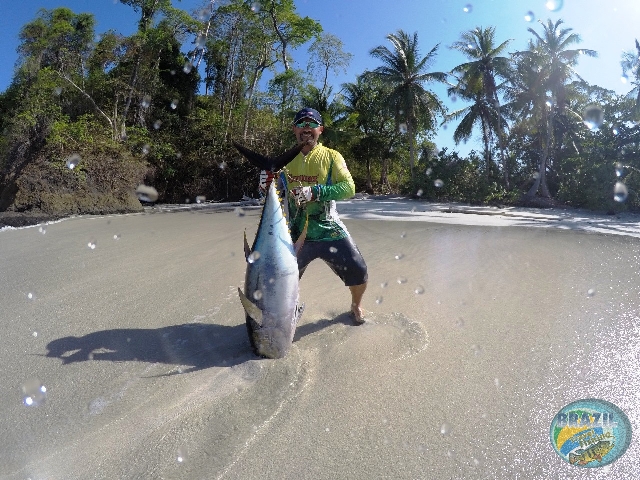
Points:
[308,113]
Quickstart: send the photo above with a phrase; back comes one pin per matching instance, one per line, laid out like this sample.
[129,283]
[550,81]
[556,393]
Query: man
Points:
[314,180]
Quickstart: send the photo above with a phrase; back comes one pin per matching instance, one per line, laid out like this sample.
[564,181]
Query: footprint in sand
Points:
[383,338]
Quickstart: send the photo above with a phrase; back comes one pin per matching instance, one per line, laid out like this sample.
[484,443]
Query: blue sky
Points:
[607,26]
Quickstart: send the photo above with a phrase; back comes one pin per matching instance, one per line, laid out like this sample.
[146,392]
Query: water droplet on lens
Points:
[591,292]
[73,161]
[529,16]
[593,117]
[201,199]
[428,171]
[174,104]
[619,169]
[30,296]
[200,41]
[496,382]
[34,334]
[333,249]
[399,256]
[157,124]
[146,193]
[402,128]
[419,290]
[379,300]
[624,78]
[620,192]
[253,257]
[467,8]
[187,66]
[460,322]
[34,393]
[384,284]
[255,7]
[403,235]
[91,245]
[554,5]
[477,349]
[145,149]
[239,212]
[116,236]
[438,183]
[57,90]
[445,429]
[42,230]
[181,455]
[257,295]
[402,280]
[146,101]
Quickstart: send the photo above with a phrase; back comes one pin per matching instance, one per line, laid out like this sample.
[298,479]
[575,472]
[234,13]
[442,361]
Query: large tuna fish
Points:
[271,292]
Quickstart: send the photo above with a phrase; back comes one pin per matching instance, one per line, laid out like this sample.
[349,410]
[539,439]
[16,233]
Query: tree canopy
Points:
[162,105]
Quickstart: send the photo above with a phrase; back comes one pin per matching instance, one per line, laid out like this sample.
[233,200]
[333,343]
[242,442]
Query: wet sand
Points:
[477,335]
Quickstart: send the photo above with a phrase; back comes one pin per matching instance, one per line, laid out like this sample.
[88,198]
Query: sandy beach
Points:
[482,324]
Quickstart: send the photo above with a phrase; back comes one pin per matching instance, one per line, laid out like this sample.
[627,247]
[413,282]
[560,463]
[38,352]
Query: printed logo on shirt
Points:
[304,178]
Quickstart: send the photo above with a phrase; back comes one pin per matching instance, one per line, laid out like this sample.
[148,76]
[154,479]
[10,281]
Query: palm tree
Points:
[405,73]
[631,65]
[479,76]
[529,105]
[480,113]
[555,61]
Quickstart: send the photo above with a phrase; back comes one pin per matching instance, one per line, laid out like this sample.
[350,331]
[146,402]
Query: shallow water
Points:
[479,336]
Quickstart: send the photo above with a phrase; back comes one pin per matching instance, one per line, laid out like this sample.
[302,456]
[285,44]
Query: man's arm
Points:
[342,183]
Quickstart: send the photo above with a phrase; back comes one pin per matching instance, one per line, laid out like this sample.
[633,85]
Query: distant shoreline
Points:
[394,207]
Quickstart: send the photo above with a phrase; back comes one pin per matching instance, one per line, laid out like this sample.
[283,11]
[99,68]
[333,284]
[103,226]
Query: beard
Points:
[306,138]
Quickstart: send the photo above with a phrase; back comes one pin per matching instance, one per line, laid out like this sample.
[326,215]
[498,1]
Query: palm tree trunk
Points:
[412,149]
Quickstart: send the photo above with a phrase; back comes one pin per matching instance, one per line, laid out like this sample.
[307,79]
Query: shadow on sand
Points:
[195,345]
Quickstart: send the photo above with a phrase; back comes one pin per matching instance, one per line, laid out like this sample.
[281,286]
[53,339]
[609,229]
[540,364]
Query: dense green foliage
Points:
[87,118]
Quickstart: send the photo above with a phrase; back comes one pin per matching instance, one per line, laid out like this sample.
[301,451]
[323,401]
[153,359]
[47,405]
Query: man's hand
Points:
[302,194]
[266,177]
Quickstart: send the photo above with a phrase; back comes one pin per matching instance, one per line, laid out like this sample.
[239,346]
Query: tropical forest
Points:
[90,117]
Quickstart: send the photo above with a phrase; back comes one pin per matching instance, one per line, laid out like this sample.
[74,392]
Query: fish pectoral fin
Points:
[250,308]
[247,250]
[298,245]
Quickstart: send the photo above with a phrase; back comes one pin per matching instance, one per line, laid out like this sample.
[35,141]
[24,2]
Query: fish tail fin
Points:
[250,308]
[298,245]
[272,164]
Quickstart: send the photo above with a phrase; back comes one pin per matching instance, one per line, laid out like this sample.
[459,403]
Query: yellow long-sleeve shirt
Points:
[325,170]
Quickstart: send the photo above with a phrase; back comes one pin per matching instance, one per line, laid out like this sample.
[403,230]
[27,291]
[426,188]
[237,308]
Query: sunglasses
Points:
[307,124]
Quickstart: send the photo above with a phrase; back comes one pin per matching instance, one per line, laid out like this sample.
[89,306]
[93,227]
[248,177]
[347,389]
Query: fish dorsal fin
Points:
[247,250]
[298,245]
[250,308]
